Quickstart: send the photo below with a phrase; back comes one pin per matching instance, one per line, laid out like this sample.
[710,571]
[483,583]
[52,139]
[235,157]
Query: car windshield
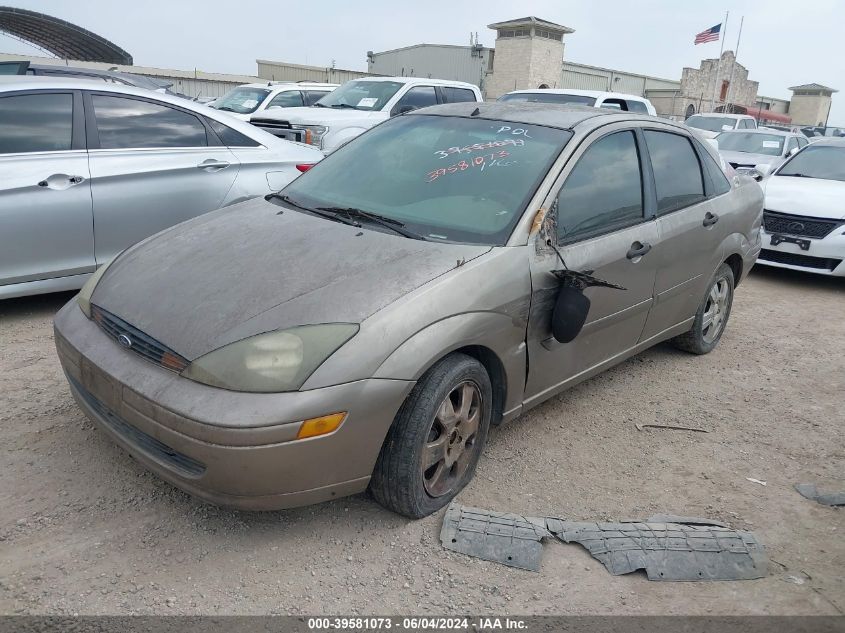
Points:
[815,161]
[749,143]
[549,97]
[710,123]
[362,95]
[448,179]
[241,100]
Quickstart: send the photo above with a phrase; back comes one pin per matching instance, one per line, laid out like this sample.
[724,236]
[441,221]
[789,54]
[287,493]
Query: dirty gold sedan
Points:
[443,273]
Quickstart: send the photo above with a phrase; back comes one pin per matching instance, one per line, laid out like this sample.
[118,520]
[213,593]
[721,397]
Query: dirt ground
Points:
[84,529]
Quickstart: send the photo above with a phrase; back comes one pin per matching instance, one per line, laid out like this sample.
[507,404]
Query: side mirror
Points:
[403,109]
[794,151]
[727,128]
[569,314]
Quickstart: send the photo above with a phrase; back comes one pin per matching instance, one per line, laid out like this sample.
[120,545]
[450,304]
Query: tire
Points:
[426,428]
[716,305]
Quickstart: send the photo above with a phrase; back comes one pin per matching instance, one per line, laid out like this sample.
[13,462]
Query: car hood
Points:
[806,196]
[746,158]
[246,270]
[321,116]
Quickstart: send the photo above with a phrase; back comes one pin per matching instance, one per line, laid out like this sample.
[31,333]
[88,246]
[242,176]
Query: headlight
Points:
[271,362]
[313,133]
[84,296]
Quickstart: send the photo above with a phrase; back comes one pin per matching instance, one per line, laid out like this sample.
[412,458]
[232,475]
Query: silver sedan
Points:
[89,168]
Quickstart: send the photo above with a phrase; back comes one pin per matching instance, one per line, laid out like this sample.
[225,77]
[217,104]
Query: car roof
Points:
[724,115]
[424,80]
[579,93]
[768,132]
[561,116]
[285,85]
[828,140]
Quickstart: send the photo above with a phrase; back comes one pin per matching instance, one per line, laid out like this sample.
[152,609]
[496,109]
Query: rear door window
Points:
[313,96]
[603,191]
[132,123]
[230,137]
[417,97]
[457,95]
[36,123]
[637,106]
[677,172]
[286,99]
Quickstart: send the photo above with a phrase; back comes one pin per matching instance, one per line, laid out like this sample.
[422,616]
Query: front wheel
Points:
[712,315]
[431,450]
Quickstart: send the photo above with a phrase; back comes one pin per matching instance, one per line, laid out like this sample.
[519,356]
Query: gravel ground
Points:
[84,529]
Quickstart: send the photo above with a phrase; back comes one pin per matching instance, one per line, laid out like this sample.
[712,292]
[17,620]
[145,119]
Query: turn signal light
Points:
[321,426]
[303,167]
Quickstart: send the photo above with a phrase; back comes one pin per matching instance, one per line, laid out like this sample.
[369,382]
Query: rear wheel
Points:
[712,315]
[432,449]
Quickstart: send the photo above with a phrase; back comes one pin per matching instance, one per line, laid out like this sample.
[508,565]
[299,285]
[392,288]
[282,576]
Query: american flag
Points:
[710,35]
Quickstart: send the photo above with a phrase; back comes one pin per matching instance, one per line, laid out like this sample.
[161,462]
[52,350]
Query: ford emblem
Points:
[125,341]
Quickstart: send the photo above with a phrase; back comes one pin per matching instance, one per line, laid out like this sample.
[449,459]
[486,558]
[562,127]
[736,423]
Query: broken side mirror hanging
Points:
[572,306]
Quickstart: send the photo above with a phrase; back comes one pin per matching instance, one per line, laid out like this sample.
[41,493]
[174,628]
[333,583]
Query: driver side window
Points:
[603,192]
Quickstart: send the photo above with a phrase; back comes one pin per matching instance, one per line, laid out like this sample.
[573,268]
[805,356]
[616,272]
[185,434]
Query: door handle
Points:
[638,249]
[60,181]
[710,219]
[213,164]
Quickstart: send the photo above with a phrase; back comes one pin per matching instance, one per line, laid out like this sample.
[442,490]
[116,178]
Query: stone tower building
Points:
[528,54]
[810,104]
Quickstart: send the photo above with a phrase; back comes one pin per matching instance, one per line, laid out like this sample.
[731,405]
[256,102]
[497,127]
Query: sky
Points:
[784,42]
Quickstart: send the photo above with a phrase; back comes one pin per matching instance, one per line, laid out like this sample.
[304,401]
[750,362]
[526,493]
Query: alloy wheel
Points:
[715,310]
[451,441]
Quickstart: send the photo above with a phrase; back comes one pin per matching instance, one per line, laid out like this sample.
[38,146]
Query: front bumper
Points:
[230,448]
[825,256]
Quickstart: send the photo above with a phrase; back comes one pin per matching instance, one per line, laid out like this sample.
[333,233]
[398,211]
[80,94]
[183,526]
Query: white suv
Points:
[358,105]
[244,101]
[711,124]
[592,98]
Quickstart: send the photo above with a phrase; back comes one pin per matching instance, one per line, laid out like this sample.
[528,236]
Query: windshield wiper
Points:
[318,212]
[343,105]
[319,105]
[394,225]
[226,109]
[797,175]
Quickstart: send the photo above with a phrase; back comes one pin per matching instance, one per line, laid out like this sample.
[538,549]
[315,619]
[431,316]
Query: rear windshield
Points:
[770,144]
[827,163]
[241,100]
[710,123]
[446,178]
[549,97]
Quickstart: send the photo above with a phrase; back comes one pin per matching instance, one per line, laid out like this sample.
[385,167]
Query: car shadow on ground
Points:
[798,278]
[35,306]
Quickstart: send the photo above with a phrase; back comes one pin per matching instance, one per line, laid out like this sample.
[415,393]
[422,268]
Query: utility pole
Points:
[723,33]
[736,56]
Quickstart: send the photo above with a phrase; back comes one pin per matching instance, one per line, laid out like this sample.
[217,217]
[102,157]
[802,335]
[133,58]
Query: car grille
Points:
[271,125]
[795,259]
[136,341]
[800,225]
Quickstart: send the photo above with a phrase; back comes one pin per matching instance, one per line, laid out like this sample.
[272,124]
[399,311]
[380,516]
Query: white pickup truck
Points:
[357,106]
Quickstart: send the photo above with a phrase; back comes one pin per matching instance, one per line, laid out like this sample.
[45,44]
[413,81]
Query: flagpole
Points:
[723,33]
[736,55]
